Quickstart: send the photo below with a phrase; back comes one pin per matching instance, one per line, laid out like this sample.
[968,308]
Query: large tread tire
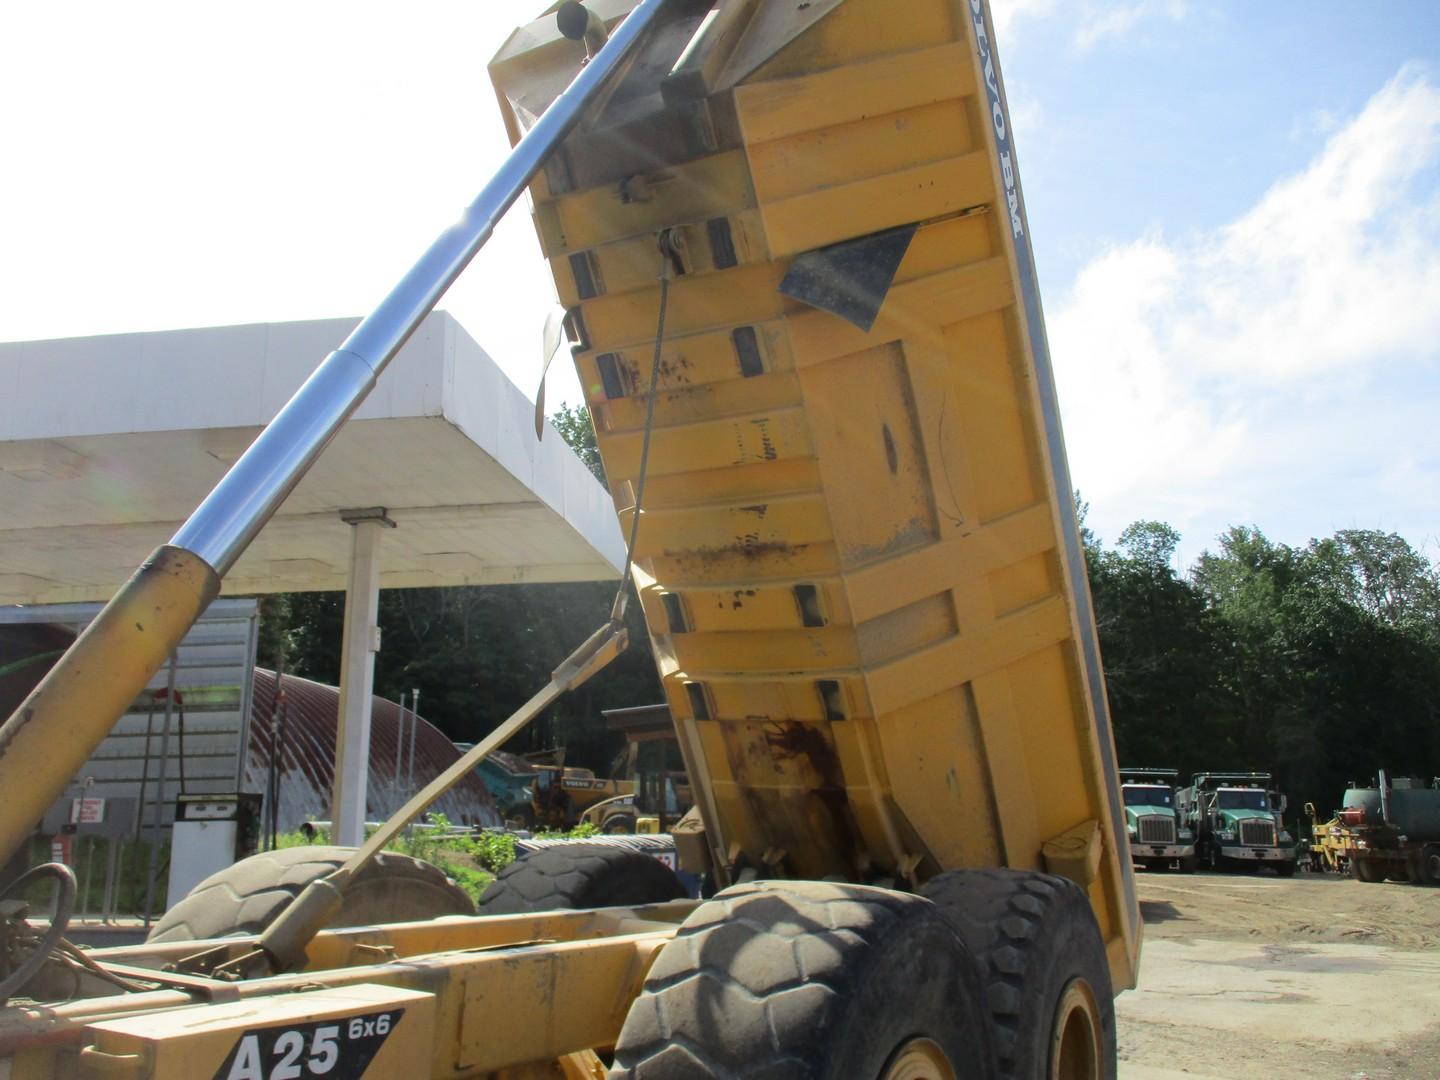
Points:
[620,824]
[1034,935]
[1364,870]
[1285,869]
[805,980]
[246,897]
[1429,864]
[580,876]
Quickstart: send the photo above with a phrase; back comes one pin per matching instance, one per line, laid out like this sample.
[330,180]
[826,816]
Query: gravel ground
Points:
[1315,977]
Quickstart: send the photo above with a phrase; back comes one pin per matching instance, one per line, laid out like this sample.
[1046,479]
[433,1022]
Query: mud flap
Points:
[851,278]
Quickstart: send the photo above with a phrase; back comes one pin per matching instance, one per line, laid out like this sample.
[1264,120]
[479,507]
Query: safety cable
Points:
[668,259]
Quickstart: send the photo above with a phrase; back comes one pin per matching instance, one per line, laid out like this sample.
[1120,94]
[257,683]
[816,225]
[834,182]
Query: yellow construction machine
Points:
[794,251]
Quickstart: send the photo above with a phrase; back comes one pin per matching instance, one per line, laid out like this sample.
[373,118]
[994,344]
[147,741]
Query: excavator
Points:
[791,241]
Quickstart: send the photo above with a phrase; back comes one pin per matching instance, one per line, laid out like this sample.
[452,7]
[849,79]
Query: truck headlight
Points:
[1186,834]
[1285,837]
[1225,834]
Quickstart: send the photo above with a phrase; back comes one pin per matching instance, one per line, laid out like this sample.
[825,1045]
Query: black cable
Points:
[180,708]
[617,609]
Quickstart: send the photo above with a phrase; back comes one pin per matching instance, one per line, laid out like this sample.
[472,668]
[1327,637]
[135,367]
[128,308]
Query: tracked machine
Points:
[792,245]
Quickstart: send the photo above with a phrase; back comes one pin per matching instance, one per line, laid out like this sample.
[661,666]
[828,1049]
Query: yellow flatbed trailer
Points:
[792,245]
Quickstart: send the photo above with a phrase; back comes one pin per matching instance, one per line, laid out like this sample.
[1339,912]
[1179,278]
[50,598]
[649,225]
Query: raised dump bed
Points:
[858,553]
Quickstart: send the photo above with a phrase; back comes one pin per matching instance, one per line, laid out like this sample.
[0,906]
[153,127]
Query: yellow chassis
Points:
[504,996]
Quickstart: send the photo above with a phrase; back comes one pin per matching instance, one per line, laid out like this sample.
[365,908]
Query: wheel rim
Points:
[1075,1038]
[919,1059]
[1432,867]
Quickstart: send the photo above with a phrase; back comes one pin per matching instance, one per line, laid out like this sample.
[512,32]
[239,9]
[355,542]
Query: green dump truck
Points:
[1159,839]
[1236,819]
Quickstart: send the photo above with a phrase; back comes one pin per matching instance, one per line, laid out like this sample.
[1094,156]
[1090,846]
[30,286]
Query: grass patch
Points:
[471,859]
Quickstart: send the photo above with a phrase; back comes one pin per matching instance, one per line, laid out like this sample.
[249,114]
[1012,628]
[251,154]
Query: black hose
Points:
[64,908]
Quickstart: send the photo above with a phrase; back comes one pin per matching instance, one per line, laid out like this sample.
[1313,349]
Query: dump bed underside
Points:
[857,555]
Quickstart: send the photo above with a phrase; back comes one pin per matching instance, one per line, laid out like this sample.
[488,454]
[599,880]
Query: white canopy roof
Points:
[108,443]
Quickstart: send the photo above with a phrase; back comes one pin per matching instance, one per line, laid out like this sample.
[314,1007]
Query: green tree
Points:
[1334,667]
[575,427]
[1161,649]
[1320,663]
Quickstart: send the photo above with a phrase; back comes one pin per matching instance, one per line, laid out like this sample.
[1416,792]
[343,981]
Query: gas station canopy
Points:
[108,443]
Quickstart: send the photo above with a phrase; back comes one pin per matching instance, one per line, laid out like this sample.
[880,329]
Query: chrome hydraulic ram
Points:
[58,727]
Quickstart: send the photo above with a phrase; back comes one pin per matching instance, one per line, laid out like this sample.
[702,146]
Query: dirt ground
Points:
[1315,977]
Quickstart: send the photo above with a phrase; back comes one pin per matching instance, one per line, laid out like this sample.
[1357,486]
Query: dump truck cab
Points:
[1237,822]
[1159,838]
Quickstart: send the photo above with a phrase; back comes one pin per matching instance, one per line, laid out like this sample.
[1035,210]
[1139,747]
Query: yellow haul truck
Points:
[794,249]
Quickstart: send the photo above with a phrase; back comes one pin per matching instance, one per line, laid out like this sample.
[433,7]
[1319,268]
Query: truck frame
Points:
[792,244]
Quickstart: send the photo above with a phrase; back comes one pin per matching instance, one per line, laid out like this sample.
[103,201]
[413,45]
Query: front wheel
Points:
[1043,960]
[1188,864]
[1285,869]
[809,980]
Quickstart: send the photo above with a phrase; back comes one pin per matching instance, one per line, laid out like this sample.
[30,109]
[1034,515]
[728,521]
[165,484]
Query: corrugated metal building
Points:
[304,726]
[216,711]
[141,759]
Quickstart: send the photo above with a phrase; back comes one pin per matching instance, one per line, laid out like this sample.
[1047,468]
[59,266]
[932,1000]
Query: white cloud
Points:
[1093,20]
[1005,13]
[1100,21]
[1224,375]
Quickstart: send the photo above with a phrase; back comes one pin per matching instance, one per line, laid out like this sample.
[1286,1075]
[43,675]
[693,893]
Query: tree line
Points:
[1319,663]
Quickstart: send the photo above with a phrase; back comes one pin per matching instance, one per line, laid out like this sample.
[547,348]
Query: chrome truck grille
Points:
[1255,833]
[1157,829]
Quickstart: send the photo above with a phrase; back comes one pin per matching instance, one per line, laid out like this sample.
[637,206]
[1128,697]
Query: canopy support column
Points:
[359,644]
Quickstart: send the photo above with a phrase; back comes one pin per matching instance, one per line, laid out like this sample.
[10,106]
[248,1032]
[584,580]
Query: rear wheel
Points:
[1042,957]
[580,876]
[617,824]
[809,980]
[1364,870]
[245,898]
[1429,865]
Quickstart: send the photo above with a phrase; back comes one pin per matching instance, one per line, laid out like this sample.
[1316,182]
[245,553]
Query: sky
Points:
[1235,209]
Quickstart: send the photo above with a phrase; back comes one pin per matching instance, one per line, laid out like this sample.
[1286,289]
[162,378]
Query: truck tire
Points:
[1364,870]
[580,876]
[809,980]
[1429,865]
[1188,864]
[1043,960]
[1285,869]
[617,824]
[246,898]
